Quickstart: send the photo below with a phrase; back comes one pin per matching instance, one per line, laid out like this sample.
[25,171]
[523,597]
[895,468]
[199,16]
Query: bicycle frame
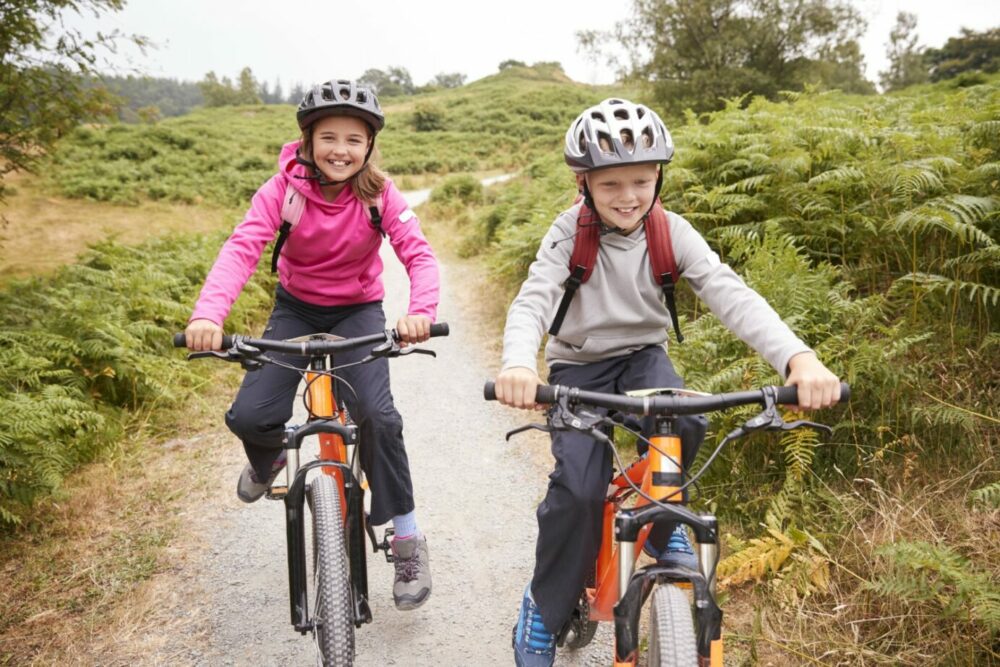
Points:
[620,590]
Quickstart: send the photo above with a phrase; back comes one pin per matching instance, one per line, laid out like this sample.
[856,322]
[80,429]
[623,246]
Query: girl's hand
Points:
[203,335]
[413,329]
[818,386]
[516,387]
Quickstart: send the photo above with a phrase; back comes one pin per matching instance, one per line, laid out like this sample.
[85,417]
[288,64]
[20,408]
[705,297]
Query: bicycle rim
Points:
[333,609]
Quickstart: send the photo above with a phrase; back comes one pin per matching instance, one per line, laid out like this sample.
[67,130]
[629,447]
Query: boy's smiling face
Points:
[622,195]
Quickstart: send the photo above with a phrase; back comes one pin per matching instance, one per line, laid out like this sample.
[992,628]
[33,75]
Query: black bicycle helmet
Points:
[614,133]
[340,97]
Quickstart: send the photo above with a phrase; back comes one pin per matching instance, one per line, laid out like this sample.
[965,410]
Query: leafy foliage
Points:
[84,350]
[44,91]
[698,53]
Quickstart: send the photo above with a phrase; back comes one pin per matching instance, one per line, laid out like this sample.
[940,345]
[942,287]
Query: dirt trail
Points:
[476,497]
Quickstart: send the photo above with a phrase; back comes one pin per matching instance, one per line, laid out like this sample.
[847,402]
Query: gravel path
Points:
[476,497]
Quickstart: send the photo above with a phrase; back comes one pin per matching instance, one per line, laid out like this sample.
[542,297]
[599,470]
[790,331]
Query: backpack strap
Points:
[374,213]
[581,262]
[292,205]
[661,259]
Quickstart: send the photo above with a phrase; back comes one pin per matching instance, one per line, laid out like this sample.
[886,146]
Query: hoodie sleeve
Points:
[240,253]
[744,312]
[535,305]
[411,247]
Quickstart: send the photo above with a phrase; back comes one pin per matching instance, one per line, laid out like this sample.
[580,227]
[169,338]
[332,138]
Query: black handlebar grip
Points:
[790,395]
[439,329]
[181,341]
[489,391]
[545,394]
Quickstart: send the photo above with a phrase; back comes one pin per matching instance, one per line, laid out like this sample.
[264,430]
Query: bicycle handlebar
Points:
[313,347]
[674,405]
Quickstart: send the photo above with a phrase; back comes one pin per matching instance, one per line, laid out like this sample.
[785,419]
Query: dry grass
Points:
[43,232]
[854,625]
[80,585]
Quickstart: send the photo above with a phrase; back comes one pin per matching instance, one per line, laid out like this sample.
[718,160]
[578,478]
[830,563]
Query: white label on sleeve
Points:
[406,215]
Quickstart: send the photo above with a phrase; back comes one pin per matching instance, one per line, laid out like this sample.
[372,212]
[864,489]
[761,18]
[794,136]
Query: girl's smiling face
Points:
[339,146]
[622,195]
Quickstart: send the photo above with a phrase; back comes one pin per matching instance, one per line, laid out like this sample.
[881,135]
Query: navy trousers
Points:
[265,400]
[570,516]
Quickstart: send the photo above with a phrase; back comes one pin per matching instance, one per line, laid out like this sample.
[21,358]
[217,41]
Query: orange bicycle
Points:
[335,499]
[654,489]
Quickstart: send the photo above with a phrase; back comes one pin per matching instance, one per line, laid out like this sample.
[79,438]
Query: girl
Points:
[330,281]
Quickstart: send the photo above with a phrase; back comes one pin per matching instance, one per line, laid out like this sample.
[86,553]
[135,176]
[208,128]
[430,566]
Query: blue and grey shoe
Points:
[534,646]
[678,552]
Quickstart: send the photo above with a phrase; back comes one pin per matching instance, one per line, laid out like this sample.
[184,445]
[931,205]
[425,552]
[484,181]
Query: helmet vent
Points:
[597,115]
[640,112]
[621,114]
[627,139]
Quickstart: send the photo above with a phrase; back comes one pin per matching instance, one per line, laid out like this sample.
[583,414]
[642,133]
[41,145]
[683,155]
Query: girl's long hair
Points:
[368,183]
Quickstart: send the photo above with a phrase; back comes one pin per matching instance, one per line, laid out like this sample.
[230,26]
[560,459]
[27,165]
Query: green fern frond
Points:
[987,295]
[987,496]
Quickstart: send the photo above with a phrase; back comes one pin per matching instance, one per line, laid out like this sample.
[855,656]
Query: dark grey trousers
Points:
[570,516]
[264,402]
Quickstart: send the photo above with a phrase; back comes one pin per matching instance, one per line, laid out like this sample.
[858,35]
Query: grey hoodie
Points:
[620,308]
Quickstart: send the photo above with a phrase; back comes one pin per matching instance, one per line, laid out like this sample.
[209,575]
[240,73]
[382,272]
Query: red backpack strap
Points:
[661,259]
[581,263]
[292,205]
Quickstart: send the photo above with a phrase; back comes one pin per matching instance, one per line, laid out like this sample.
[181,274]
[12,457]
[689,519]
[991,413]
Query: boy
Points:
[611,339]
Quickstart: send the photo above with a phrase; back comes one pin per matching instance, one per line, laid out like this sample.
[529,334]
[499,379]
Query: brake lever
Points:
[528,427]
[416,350]
[770,418]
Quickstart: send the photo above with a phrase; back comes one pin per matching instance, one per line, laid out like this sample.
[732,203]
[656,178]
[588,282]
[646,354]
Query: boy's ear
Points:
[580,182]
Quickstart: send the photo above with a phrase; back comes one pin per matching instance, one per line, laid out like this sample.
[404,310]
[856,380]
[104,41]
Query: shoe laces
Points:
[536,637]
[407,569]
[678,542]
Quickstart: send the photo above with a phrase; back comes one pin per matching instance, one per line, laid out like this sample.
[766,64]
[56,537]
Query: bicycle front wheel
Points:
[333,613]
[671,629]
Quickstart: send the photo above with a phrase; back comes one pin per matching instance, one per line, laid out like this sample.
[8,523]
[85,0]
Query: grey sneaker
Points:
[412,585]
[249,489]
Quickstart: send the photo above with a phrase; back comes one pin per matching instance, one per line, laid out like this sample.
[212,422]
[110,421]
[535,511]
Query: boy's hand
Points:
[818,386]
[203,335]
[516,387]
[413,329]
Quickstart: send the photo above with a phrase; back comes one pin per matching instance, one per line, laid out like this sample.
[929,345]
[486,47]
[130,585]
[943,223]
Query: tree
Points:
[394,81]
[453,80]
[48,76]
[510,62]
[296,94]
[696,53]
[973,51]
[220,93]
[906,58]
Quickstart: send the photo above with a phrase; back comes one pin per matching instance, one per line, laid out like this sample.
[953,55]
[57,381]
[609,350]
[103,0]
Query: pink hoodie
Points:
[330,258]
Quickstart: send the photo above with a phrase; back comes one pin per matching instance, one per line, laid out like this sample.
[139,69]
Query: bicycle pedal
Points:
[385,546]
[276,493]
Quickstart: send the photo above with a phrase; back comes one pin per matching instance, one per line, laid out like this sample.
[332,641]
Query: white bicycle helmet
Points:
[614,133]
[340,97]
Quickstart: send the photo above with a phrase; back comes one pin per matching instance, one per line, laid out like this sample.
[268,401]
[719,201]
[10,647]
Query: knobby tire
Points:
[671,629]
[334,609]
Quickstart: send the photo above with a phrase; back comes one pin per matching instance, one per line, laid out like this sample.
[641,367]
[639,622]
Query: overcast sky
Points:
[308,41]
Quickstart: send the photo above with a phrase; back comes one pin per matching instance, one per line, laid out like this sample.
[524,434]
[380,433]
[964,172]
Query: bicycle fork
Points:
[664,478]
